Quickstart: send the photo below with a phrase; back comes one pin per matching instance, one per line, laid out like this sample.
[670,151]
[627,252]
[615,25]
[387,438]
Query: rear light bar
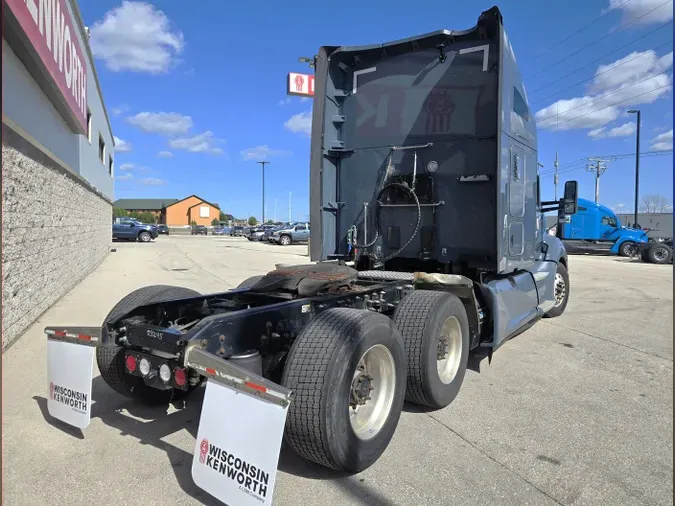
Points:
[234,376]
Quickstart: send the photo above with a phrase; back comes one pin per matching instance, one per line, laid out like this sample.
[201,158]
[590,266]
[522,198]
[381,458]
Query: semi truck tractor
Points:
[595,229]
[430,246]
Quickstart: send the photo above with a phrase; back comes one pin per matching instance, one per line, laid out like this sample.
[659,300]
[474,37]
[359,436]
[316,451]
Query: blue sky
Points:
[197,94]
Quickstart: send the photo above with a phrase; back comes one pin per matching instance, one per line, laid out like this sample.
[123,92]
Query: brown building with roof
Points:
[174,212]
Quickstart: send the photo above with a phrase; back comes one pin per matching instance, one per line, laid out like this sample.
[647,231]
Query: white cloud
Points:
[621,131]
[127,166]
[640,81]
[290,99]
[300,123]
[663,142]
[165,154]
[125,177]
[201,143]
[121,146]
[136,36]
[153,181]
[116,111]
[263,152]
[631,68]
[164,123]
[634,10]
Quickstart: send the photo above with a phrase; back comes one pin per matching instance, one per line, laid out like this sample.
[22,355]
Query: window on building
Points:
[110,165]
[89,126]
[520,106]
[204,212]
[101,148]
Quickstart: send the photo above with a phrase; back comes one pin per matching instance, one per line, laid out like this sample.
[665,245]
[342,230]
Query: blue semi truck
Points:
[595,229]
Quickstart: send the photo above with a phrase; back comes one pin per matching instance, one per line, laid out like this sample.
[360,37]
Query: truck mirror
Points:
[570,198]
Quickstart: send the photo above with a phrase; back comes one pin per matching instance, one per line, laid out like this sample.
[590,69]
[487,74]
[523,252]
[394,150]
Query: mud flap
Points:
[240,431]
[70,362]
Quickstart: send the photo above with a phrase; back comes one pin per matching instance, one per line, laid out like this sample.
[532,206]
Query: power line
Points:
[598,40]
[579,166]
[612,105]
[605,95]
[581,29]
[582,162]
[602,57]
[604,72]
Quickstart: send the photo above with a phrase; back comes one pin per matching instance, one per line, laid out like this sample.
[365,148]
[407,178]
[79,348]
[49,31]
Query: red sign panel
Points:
[51,30]
[300,84]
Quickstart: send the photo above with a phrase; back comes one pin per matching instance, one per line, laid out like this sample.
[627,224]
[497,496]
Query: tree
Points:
[226,217]
[655,204]
[269,222]
[215,222]
[193,223]
[118,212]
[252,221]
[144,217]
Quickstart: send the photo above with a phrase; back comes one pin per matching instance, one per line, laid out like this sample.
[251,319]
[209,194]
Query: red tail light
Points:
[131,363]
[179,377]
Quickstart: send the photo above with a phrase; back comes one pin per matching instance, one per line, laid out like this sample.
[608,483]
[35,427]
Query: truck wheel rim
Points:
[560,290]
[372,392]
[449,350]
[660,254]
[285,241]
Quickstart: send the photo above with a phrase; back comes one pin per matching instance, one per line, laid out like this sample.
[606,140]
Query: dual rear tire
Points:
[352,370]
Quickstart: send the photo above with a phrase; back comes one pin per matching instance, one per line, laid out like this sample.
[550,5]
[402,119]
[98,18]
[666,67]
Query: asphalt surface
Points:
[577,410]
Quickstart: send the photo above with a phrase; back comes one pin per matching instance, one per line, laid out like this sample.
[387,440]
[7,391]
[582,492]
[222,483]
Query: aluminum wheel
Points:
[560,289]
[660,254]
[372,392]
[145,237]
[449,350]
[284,240]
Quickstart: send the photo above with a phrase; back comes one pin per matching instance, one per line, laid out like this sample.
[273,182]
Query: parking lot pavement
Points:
[577,410]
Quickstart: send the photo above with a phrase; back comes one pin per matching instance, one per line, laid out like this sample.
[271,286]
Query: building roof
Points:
[155,204]
[144,204]
[214,204]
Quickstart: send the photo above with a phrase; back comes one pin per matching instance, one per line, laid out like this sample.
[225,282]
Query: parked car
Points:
[162,229]
[199,230]
[258,233]
[218,231]
[126,219]
[295,232]
[134,231]
[237,231]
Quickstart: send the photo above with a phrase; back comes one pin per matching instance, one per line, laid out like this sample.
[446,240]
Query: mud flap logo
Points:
[203,449]
[251,479]
[69,397]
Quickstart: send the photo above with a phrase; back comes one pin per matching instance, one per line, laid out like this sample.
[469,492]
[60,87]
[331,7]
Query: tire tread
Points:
[412,316]
[305,373]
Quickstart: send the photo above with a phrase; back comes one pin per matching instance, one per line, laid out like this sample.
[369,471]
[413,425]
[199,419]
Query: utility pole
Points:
[263,190]
[555,178]
[598,169]
[290,217]
[275,211]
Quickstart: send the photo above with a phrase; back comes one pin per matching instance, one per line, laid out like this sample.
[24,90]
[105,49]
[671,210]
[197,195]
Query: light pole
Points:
[263,190]
[637,166]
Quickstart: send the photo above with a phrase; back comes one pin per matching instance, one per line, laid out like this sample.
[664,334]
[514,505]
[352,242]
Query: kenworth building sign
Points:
[47,27]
